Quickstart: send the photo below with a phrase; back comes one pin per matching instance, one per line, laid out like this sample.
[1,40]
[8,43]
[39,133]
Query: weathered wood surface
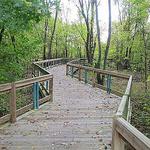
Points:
[79,118]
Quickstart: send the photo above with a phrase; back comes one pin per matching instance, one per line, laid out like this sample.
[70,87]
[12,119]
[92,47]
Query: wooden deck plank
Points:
[79,118]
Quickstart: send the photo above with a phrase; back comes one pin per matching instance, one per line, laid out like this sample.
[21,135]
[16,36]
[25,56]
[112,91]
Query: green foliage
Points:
[16,15]
[19,41]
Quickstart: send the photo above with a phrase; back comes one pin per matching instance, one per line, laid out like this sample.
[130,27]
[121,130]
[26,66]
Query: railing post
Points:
[117,142]
[36,95]
[51,89]
[93,79]
[67,69]
[13,103]
[79,73]
[47,85]
[86,76]
[108,84]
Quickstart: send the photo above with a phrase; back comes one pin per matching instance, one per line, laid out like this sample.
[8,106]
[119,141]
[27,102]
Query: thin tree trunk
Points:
[145,60]
[98,36]
[66,46]
[52,36]
[91,45]
[109,36]
[13,41]
[85,8]
[45,38]
[1,34]
[98,64]
[56,54]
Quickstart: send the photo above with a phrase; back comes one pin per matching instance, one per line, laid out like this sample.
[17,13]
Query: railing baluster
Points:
[80,73]
[51,89]
[13,103]
[36,95]
[86,76]
[108,85]
[67,69]
[47,85]
[93,79]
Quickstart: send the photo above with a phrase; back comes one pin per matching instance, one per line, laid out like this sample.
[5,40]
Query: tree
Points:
[53,30]
[109,36]
[17,46]
[98,65]
[86,8]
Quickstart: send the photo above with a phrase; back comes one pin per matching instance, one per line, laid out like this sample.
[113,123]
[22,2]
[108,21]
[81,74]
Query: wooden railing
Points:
[89,74]
[41,87]
[124,135]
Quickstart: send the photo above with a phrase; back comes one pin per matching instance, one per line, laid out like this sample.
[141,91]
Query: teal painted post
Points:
[34,95]
[86,76]
[37,95]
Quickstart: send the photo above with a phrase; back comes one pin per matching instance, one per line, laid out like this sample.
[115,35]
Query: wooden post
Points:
[13,103]
[93,79]
[108,85]
[80,74]
[47,85]
[67,70]
[51,89]
[117,142]
[86,76]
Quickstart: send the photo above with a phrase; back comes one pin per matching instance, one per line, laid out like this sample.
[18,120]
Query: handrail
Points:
[125,100]
[105,72]
[43,76]
[129,134]
[123,131]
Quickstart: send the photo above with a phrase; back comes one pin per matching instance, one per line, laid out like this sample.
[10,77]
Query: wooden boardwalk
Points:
[79,118]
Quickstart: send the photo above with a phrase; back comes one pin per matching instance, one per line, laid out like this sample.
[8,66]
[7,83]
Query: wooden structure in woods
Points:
[123,133]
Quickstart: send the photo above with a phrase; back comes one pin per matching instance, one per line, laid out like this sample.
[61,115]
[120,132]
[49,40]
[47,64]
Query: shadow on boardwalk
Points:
[79,118]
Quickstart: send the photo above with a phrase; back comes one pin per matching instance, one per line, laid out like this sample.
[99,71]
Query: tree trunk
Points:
[145,60]
[85,8]
[45,38]
[1,34]
[109,36]
[56,54]
[52,36]
[13,41]
[66,46]
[98,64]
